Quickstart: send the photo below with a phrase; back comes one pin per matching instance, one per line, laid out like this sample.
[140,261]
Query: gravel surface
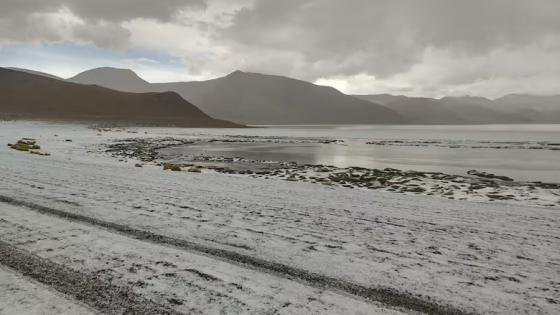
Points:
[21,295]
[105,297]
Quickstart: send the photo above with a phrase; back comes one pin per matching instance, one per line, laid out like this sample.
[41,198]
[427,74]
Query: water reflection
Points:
[520,164]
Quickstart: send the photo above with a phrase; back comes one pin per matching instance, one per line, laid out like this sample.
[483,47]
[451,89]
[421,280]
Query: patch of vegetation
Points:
[28,142]
[20,147]
[194,170]
[173,167]
[27,145]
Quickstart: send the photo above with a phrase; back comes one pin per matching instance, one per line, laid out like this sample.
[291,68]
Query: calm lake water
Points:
[521,164]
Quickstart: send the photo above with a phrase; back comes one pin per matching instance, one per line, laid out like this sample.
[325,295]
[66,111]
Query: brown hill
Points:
[43,74]
[28,96]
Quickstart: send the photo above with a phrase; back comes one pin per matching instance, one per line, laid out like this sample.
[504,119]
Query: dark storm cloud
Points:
[104,35]
[429,47]
[99,20]
[384,37]
[107,10]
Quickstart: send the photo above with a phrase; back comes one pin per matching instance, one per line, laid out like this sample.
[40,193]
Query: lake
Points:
[521,164]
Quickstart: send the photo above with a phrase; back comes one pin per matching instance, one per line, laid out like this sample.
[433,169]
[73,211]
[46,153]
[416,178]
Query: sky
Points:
[428,48]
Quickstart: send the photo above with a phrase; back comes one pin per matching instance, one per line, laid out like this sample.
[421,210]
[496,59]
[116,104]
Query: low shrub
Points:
[28,142]
[173,167]
[25,144]
[195,170]
[20,147]
[34,152]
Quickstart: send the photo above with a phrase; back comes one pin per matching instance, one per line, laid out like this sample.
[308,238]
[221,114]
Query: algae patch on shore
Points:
[27,145]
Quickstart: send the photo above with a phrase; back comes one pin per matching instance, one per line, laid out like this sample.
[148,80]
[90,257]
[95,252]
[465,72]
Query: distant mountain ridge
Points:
[254,98]
[426,111]
[26,96]
[43,74]
[510,109]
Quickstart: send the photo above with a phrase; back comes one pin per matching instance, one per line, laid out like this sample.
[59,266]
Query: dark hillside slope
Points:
[28,96]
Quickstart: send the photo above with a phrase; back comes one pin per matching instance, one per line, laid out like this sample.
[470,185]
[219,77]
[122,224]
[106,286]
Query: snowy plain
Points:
[21,296]
[480,257]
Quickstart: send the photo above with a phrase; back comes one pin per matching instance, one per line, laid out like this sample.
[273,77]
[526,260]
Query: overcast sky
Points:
[412,47]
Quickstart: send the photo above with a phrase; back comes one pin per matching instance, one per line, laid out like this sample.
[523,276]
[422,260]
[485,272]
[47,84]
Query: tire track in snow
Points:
[387,296]
[89,289]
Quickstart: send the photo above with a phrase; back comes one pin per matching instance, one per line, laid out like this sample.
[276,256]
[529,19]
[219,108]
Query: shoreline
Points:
[475,186]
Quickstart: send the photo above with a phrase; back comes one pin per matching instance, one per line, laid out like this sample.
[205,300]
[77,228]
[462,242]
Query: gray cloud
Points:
[29,28]
[54,28]
[385,37]
[120,10]
[104,35]
[95,21]
[107,10]
[426,47]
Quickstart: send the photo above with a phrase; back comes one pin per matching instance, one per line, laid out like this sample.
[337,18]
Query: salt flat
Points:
[477,257]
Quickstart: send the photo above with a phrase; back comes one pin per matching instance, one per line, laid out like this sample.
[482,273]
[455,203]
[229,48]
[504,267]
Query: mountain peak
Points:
[463,97]
[110,71]
[235,73]
[119,79]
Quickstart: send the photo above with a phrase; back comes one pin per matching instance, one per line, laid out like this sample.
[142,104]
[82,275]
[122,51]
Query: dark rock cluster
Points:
[144,149]
[489,175]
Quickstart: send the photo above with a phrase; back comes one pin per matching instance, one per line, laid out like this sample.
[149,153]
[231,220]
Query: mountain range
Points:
[28,96]
[456,110]
[253,98]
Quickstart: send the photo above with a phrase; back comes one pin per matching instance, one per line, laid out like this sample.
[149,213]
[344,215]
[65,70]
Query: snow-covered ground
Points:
[479,257]
[163,274]
[21,296]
